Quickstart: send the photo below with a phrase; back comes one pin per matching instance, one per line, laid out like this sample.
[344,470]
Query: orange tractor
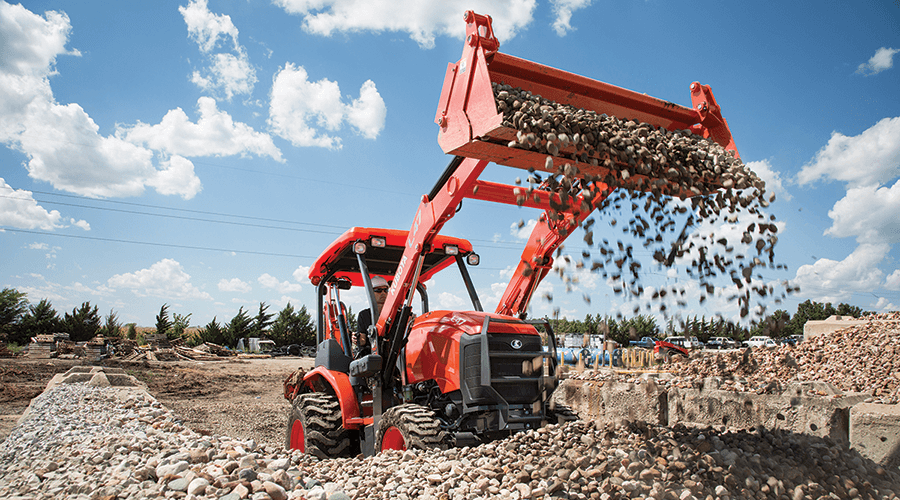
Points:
[449,378]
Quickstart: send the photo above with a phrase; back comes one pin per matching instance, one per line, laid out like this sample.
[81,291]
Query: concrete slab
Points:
[610,401]
[816,409]
[875,432]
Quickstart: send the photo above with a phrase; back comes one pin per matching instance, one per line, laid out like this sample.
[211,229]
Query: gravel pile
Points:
[862,358]
[89,442]
[99,443]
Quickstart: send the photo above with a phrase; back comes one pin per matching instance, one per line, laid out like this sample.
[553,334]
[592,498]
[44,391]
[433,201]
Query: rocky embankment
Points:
[861,358]
[86,442]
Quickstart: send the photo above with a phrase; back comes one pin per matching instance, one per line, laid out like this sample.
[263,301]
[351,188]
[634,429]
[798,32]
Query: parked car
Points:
[721,343]
[696,344]
[792,340]
[645,342]
[761,341]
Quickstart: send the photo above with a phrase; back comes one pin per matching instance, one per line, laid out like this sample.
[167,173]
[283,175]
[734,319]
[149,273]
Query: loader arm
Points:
[537,261]
[434,211]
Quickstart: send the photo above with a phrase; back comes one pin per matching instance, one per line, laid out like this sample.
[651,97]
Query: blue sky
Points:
[203,153]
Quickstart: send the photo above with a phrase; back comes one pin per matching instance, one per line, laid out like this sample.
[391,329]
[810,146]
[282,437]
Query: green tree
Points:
[180,323]
[13,306]
[163,323]
[773,325]
[238,328]
[112,327]
[807,311]
[351,320]
[83,324]
[848,310]
[293,327]
[262,321]
[131,331]
[213,333]
[41,319]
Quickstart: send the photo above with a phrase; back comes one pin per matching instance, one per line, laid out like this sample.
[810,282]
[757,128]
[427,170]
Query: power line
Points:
[151,243]
[181,217]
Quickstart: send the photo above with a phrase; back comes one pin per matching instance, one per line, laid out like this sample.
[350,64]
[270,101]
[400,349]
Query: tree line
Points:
[21,320]
[779,324]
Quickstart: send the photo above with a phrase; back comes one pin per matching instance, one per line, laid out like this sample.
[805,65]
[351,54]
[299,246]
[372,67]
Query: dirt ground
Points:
[241,398]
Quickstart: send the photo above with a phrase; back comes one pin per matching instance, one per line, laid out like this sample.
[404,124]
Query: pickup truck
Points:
[645,342]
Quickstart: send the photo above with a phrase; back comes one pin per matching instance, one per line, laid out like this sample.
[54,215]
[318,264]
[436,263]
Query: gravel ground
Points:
[90,442]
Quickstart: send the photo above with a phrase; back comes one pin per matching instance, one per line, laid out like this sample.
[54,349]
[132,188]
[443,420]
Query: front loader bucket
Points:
[475,123]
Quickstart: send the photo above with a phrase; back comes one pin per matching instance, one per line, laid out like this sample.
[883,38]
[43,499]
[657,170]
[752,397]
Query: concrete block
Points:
[874,432]
[801,408]
[609,401]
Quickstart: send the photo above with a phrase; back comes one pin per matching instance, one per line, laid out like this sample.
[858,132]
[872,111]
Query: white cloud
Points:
[892,282]
[207,28]
[869,213]
[422,20]
[165,279]
[234,285]
[283,301]
[61,141]
[18,209]
[214,134]
[283,287]
[834,281]
[367,113]
[771,177]
[882,60]
[872,157]
[523,232]
[301,274]
[38,246]
[300,110]
[80,223]
[885,305]
[229,72]
[449,301]
[563,10]
[176,178]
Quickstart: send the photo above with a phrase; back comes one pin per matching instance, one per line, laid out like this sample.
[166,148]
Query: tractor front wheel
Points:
[315,426]
[409,426]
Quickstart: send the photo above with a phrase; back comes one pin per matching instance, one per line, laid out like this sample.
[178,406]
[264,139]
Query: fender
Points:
[321,379]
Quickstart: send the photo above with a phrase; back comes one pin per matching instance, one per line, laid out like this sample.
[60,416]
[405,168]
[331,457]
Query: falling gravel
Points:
[680,196]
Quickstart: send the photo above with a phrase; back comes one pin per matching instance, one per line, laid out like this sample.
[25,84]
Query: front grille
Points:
[509,381]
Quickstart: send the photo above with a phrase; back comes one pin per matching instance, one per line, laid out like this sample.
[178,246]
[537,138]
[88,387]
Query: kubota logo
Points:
[516,344]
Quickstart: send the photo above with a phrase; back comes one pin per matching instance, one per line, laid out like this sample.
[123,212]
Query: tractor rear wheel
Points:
[315,426]
[409,426]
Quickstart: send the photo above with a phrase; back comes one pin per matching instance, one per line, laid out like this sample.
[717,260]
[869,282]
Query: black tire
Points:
[315,427]
[409,426]
[293,350]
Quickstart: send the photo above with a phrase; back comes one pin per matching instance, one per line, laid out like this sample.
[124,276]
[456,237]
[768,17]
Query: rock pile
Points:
[861,358]
[101,443]
[653,167]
